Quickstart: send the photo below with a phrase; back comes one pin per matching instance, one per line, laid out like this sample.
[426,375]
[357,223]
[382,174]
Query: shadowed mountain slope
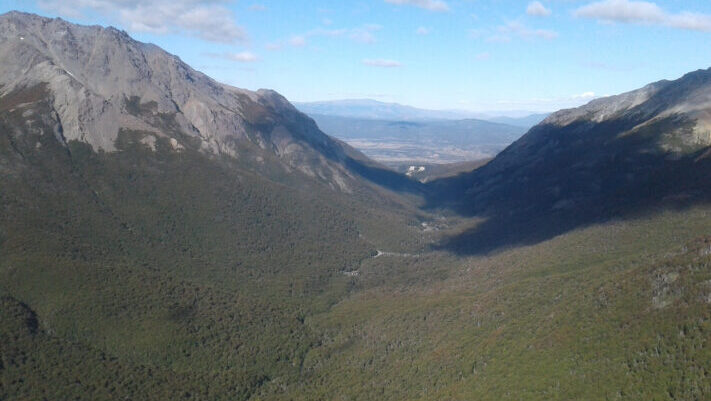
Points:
[613,157]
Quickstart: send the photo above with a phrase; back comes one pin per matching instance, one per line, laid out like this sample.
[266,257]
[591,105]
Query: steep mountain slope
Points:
[171,231]
[614,156]
[100,83]
[584,274]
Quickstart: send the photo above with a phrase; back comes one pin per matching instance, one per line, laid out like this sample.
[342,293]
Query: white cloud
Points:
[205,19]
[325,32]
[537,9]
[363,34]
[382,63]
[243,57]
[622,11]
[583,96]
[257,7]
[432,5]
[422,31]
[483,56]
[297,41]
[690,21]
[363,37]
[643,12]
[506,32]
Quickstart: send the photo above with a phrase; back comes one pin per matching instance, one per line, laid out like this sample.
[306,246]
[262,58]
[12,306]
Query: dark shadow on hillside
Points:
[499,232]
[562,180]
[385,177]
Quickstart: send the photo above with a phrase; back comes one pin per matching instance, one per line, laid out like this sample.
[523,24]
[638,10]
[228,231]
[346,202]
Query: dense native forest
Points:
[574,265]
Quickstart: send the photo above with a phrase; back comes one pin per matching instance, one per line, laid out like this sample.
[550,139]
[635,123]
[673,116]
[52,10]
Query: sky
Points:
[476,55]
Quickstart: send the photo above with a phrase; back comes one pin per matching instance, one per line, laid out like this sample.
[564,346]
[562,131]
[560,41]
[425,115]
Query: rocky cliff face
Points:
[99,83]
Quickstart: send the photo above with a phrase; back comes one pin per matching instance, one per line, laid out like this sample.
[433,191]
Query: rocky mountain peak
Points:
[100,82]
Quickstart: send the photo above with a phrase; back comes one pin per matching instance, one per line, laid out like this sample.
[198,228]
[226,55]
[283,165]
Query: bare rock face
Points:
[100,81]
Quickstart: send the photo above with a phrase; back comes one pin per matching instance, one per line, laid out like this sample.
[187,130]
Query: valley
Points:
[399,142]
[166,236]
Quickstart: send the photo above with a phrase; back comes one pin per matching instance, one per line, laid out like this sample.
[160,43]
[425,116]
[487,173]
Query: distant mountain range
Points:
[375,110]
[525,121]
[396,142]
[398,135]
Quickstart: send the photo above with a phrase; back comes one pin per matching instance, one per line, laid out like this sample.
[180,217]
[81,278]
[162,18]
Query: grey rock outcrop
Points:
[100,81]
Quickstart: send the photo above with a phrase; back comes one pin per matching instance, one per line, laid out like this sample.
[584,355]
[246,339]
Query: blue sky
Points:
[480,55]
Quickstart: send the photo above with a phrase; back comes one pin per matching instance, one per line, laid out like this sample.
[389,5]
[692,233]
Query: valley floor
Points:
[617,310]
[612,311]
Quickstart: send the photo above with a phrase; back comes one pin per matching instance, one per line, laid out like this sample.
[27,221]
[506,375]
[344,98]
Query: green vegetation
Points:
[169,274]
[615,311]
[169,261]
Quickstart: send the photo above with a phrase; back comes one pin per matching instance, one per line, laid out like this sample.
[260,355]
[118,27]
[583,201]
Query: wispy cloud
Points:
[505,33]
[431,5]
[483,56]
[205,19]
[362,34]
[257,7]
[241,57]
[644,13]
[584,95]
[383,63]
[297,41]
[422,31]
[537,9]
